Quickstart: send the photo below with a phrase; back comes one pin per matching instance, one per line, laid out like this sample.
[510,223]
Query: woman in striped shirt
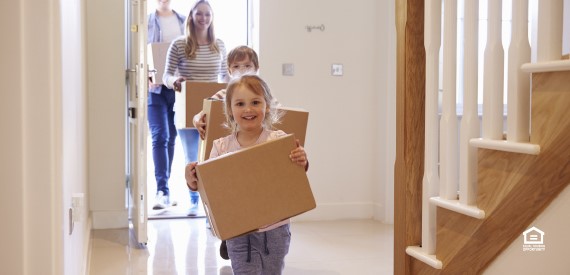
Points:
[197,56]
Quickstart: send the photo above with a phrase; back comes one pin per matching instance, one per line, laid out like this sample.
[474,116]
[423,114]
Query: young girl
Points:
[251,114]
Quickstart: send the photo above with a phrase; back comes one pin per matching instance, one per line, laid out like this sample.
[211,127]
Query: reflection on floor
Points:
[185,246]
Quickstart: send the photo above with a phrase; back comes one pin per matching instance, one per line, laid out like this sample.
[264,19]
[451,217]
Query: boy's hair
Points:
[259,87]
[242,52]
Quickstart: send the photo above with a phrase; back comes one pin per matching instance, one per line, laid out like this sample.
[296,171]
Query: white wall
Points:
[12,145]
[105,30]
[74,135]
[43,157]
[31,119]
[350,136]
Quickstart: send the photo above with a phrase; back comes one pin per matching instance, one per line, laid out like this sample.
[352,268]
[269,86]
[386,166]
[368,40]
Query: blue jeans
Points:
[163,132]
[189,138]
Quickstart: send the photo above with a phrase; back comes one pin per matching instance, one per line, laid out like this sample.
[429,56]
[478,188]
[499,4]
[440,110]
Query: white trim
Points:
[456,206]
[110,219]
[429,259]
[547,66]
[506,146]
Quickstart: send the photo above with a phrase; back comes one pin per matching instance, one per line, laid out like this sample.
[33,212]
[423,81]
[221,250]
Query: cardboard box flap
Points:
[253,188]
[189,101]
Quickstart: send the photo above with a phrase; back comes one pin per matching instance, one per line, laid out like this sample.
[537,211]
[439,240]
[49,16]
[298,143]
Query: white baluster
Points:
[448,126]
[549,30]
[432,43]
[518,100]
[493,75]
[470,122]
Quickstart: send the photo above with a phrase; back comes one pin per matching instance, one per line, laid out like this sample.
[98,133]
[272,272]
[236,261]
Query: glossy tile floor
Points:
[185,246]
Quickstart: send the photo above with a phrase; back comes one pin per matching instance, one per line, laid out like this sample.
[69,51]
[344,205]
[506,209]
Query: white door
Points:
[137,88]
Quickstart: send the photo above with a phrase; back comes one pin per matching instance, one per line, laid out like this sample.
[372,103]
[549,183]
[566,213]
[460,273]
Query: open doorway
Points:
[232,25]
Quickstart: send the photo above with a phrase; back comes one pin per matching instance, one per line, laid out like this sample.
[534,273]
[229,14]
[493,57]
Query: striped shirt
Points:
[207,66]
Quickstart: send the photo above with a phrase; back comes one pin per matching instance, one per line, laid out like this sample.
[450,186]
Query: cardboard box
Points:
[215,119]
[294,121]
[189,101]
[253,188]
[157,59]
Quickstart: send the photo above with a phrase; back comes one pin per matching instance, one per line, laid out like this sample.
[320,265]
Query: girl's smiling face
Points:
[248,109]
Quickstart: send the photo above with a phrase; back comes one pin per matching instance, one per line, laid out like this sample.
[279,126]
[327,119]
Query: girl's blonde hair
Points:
[191,42]
[255,84]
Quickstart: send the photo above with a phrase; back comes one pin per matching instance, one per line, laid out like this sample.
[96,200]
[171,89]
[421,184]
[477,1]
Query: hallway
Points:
[185,246]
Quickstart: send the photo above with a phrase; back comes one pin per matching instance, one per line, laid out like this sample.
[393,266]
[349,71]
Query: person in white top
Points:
[250,113]
[164,25]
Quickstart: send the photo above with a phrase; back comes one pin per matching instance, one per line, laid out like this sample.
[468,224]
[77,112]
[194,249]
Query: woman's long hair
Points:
[191,42]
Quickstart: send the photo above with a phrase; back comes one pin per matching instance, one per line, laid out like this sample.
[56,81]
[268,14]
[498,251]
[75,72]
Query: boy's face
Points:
[241,67]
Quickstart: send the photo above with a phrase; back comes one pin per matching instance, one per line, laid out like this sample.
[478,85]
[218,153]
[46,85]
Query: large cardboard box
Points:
[189,101]
[253,188]
[294,121]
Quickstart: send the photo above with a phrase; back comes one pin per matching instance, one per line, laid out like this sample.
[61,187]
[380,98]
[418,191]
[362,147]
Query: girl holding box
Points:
[250,113]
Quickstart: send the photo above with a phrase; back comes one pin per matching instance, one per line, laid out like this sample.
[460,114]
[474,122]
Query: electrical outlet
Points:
[336,70]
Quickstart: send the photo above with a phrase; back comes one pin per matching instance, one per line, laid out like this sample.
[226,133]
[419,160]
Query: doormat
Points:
[174,212]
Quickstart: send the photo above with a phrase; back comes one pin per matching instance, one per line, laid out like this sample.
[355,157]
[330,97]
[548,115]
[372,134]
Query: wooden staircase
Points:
[513,188]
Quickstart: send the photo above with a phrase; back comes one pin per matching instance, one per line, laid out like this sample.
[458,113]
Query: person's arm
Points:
[169,79]
[190,171]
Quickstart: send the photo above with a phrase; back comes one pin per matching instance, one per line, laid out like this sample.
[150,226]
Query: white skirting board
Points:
[110,219]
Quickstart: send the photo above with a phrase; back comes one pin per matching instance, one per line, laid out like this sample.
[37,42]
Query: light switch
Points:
[336,69]
[288,69]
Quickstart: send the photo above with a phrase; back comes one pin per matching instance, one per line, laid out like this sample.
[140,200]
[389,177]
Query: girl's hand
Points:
[191,178]
[299,156]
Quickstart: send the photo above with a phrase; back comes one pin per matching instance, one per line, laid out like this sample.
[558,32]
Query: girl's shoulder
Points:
[224,145]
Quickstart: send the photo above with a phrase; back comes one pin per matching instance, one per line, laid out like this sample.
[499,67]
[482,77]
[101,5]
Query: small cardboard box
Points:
[294,121]
[157,59]
[189,101]
[215,119]
[253,188]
